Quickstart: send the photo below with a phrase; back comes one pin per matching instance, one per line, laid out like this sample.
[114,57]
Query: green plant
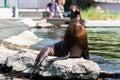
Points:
[92,14]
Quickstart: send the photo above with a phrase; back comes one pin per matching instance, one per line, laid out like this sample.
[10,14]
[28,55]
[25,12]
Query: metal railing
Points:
[3,3]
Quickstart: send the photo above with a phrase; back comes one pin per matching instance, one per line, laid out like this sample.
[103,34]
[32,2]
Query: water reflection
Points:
[105,42]
[54,33]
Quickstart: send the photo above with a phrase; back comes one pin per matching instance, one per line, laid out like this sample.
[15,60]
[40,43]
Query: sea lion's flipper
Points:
[59,58]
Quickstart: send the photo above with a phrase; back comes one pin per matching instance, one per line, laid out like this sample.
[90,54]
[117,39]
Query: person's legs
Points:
[61,15]
[51,15]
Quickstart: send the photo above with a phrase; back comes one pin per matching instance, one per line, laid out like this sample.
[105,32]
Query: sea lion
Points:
[74,12]
[74,44]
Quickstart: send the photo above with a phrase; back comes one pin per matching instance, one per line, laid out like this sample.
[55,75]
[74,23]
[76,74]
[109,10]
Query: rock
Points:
[2,77]
[21,60]
[70,68]
[23,40]
[66,69]
[29,22]
[45,25]
[5,53]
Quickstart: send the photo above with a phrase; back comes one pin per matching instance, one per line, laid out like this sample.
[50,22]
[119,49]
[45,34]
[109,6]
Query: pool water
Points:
[102,41]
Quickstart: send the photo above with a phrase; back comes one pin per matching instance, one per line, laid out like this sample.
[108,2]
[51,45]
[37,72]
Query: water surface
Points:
[102,41]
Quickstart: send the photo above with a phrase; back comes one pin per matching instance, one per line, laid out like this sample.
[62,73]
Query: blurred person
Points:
[61,8]
[52,8]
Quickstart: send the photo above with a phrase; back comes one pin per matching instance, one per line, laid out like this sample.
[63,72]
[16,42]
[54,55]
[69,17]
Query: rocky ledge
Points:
[71,68]
[19,63]
[65,69]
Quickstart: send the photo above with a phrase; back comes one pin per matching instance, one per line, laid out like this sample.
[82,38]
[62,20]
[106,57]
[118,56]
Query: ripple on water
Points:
[111,66]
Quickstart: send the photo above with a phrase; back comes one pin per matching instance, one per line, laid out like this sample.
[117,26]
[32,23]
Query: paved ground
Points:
[10,28]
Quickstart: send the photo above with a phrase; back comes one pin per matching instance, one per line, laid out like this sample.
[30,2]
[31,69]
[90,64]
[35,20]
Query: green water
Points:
[104,42]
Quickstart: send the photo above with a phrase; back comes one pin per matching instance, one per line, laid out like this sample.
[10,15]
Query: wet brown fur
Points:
[76,35]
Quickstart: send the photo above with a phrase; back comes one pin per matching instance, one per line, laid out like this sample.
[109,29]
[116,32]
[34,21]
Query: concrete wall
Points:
[28,3]
[12,3]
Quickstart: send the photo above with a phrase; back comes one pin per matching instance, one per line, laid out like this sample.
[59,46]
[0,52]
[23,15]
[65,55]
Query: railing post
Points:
[5,3]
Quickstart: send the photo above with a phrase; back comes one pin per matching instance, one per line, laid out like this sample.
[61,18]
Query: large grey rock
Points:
[4,53]
[65,69]
[29,22]
[70,68]
[21,60]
